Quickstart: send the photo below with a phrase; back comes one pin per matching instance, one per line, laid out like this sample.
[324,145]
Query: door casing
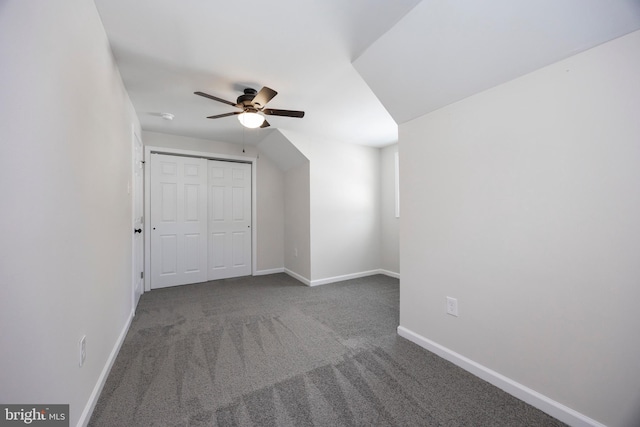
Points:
[137,246]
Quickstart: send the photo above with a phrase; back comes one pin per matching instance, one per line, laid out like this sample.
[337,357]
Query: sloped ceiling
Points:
[357,68]
[281,151]
[168,49]
[444,51]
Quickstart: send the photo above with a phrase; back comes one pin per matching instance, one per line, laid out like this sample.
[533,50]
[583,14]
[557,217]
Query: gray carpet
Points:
[268,351]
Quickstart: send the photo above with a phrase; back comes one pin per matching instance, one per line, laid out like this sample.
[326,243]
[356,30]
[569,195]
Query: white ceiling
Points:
[444,51]
[168,49]
[415,59]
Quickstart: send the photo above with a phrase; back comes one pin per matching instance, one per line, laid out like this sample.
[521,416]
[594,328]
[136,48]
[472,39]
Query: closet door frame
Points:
[148,150]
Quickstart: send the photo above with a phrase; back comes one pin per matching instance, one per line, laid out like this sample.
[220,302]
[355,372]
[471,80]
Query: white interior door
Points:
[178,220]
[138,221]
[229,219]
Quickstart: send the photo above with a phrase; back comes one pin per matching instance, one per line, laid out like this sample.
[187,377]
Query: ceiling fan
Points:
[252,104]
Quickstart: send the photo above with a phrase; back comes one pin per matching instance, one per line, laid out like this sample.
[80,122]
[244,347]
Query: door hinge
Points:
[142,274]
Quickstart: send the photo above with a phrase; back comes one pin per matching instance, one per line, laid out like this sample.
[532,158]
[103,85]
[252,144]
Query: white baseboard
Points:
[344,277]
[353,276]
[532,397]
[389,273]
[298,277]
[269,271]
[93,399]
[334,279]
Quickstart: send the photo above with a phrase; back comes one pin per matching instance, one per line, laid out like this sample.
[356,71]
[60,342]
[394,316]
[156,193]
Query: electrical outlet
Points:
[82,347]
[452,306]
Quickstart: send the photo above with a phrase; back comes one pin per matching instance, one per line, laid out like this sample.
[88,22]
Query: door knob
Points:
[137,230]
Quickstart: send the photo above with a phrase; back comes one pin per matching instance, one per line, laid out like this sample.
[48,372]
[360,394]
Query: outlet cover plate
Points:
[82,347]
[452,306]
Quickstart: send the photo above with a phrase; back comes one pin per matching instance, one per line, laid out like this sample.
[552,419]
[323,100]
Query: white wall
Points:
[65,221]
[297,231]
[345,206]
[523,203]
[269,191]
[288,205]
[270,221]
[389,224]
[165,140]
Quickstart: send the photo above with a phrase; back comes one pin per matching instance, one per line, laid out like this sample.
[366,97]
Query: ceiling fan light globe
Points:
[251,120]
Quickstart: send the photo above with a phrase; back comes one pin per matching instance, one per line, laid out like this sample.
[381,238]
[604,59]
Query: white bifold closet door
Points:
[229,219]
[178,220]
[200,220]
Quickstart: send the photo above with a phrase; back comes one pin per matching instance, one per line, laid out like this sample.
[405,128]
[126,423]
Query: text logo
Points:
[34,415]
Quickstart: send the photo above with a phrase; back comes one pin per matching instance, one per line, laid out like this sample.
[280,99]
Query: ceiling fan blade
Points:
[215,98]
[286,113]
[235,113]
[265,95]
[265,124]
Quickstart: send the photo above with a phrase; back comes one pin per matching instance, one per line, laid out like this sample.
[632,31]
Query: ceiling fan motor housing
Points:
[244,101]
